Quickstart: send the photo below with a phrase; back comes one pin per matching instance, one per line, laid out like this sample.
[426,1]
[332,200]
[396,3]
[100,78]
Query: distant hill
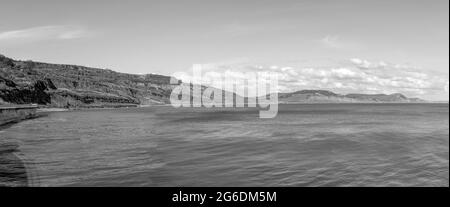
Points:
[56,85]
[322,96]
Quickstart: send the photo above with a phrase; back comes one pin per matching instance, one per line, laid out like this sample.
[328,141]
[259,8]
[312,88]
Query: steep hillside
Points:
[25,82]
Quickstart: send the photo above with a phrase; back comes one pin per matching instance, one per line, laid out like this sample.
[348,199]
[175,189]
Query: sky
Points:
[347,46]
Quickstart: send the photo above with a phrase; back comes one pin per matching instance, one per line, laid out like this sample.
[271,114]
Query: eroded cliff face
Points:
[54,85]
[10,92]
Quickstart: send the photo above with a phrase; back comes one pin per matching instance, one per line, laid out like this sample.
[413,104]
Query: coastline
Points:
[16,113]
[362,103]
[6,125]
[37,112]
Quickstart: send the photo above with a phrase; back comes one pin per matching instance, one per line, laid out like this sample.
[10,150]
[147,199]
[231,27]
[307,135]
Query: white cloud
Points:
[62,32]
[360,76]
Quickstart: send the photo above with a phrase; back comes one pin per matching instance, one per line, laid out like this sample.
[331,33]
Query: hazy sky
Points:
[346,45]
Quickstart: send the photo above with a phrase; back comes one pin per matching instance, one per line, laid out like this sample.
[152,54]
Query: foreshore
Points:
[11,114]
[15,113]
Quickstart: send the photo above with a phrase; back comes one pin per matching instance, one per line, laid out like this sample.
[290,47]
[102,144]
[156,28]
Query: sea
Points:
[305,145]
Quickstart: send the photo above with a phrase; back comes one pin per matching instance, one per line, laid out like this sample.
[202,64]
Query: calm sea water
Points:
[306,145]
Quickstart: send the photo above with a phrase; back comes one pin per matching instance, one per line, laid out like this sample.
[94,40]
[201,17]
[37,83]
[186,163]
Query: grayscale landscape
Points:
[359,93]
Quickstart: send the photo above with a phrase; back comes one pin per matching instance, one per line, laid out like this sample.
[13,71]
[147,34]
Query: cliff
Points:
[71,86]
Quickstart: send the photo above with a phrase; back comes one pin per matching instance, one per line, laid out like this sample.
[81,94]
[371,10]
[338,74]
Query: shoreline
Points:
[44,111]
[16,113]
[362,103]
[7,125]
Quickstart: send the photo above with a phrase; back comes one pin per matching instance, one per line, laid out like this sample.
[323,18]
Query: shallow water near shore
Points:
[305,145]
